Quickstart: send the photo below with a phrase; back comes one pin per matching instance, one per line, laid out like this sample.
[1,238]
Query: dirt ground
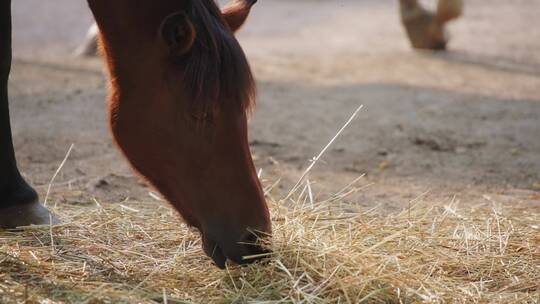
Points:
[462,125]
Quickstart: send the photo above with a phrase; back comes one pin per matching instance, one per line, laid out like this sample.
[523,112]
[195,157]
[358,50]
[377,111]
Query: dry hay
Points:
[324,252]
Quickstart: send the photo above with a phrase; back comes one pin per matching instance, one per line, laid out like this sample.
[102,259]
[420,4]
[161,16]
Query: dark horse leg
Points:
[19,205]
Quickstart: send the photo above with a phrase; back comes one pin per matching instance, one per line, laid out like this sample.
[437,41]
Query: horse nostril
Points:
[254,249]
[250,239]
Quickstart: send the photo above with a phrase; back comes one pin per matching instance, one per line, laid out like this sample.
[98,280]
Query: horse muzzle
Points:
[246,250]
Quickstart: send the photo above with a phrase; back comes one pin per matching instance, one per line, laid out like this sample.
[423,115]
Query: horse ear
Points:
[178,33]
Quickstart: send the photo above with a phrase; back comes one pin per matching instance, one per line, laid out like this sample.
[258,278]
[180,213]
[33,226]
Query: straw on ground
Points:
[323,252]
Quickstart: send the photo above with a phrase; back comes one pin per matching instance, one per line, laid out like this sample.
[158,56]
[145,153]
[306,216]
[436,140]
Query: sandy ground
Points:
[461,125]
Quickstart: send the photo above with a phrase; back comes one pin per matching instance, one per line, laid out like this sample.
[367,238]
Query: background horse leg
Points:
[425,29]
[19,204]
[89,46]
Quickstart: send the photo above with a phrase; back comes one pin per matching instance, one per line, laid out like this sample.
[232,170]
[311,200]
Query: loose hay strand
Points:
[323,151]
[56,173]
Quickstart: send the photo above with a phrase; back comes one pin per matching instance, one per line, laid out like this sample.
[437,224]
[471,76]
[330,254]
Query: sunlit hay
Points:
[324,252]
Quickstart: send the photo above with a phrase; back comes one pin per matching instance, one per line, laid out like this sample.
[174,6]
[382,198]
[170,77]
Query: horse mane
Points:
[216,70]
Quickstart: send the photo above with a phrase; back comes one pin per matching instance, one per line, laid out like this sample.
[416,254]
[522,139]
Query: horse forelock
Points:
[217,73]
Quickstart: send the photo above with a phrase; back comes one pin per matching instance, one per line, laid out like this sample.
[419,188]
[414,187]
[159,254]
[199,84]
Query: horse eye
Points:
[202,118]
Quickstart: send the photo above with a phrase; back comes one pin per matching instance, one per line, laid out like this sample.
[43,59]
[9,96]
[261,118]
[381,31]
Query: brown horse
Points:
[180,89]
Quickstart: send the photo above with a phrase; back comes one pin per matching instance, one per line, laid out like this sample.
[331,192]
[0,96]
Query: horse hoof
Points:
[424,31]
[25,215]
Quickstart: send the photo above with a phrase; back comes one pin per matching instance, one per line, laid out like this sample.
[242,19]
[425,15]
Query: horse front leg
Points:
[19,205]
[236,13]
[425,29]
